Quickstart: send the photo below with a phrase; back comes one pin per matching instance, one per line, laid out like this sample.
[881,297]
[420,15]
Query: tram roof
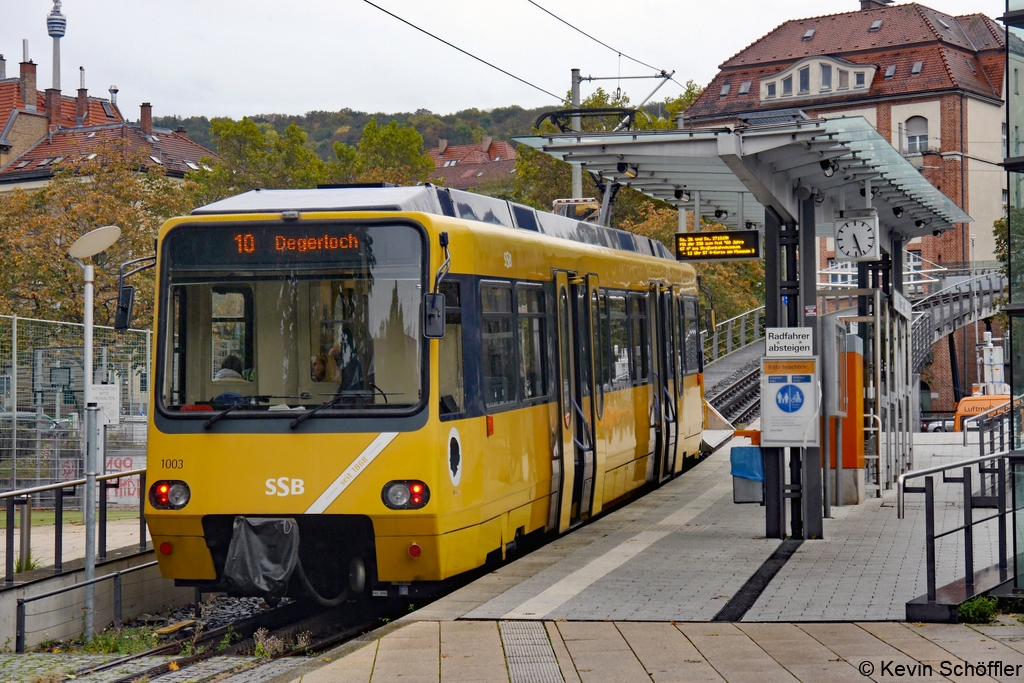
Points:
[440,201]
[754,166]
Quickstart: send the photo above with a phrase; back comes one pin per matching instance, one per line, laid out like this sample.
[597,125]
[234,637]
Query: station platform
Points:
[681,585]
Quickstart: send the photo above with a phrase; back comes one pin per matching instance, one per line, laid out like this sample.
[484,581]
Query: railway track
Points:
[740,400]
[293,630]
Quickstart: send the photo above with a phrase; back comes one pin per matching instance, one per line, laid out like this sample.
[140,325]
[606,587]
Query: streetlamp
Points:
[86,246]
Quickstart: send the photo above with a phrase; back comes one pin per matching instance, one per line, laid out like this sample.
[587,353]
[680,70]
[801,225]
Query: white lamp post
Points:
[86,246]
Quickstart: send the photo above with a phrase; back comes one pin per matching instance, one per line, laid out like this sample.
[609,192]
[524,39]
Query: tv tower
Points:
[56,25]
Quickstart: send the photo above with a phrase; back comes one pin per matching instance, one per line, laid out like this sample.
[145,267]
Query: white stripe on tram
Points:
[361,462]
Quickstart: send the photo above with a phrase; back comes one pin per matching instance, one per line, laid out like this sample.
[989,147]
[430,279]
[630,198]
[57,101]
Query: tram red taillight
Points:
[405,495]
[169,495]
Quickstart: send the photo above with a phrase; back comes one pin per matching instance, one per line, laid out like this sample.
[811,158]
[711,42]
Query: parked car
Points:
[945,425]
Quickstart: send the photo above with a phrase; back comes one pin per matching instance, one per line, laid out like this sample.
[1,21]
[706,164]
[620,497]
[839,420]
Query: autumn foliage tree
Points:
[37,227]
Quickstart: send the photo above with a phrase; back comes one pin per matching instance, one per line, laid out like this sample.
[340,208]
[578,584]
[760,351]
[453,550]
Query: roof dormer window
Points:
[805,80]
[859,80]
[770,87]
[945,25]
[808,34]
[725,90]
[875,25]
[744,88]
[890,71]
[787,86]
[916,69]
[844,79]
[826,77]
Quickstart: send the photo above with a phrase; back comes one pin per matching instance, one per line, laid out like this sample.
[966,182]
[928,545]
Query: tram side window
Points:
[618,356]
[232,338]
[638,337]
[532,343]
[498,351]
[174,378]
[692,336]
[452,378]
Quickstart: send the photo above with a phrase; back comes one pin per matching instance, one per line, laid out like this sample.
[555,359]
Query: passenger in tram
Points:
[230,368]
[325,368]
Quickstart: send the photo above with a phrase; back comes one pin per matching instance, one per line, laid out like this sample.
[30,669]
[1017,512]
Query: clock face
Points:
[855,238]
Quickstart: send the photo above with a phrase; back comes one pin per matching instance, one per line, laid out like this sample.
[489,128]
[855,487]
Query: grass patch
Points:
[27,565]
[115,641]
[47,517]
[981,609]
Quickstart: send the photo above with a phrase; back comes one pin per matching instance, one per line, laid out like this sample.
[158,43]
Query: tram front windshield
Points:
[286,317]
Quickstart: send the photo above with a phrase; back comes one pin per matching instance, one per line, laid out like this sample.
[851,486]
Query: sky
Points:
[233,58]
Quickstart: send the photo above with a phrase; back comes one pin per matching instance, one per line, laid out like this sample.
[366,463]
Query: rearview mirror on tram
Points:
[433,316]
[125,304]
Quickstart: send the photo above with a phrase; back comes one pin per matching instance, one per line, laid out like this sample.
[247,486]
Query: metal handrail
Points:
[970,501]
[1003,407]
[738,331]
[68,484]
[938,469]
[19,633]
[24,496]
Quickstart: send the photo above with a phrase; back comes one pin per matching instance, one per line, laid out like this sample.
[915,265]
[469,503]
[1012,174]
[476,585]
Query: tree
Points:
[385,154]
[38,227]
[254,156]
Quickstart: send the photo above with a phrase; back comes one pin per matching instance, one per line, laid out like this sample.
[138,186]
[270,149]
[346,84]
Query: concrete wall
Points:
[986,180]
[62,616]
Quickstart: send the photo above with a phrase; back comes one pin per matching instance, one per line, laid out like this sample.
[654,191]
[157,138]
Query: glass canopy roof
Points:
[828,159]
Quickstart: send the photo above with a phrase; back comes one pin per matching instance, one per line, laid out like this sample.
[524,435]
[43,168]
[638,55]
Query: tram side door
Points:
[575,373]
[657,381]
[669,384]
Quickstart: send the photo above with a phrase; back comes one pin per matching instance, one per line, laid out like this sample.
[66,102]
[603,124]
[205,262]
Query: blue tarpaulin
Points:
[747,462]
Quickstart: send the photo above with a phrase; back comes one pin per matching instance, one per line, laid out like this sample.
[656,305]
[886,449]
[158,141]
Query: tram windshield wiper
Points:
[249,401]
[342,394]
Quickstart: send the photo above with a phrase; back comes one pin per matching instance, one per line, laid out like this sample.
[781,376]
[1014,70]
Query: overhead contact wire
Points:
[468,54]
[579,30]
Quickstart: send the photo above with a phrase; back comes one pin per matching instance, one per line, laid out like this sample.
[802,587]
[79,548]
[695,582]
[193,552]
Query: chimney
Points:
[180,130]
[442,145]
[866,5]
[53,108]
[485,143]
[3,67]
[146,118]
[28,85]
[82,104]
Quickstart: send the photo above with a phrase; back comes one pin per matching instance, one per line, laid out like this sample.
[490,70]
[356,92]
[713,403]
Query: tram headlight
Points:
[169,495]
[405,495]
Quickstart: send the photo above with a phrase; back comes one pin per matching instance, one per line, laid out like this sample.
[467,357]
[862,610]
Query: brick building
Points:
[39,130]
[932,84]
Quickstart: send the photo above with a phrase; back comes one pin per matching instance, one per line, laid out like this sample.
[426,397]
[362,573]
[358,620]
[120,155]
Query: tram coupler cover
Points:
[262,555]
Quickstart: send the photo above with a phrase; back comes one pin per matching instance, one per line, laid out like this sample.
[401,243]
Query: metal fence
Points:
[733,334]
[42,401]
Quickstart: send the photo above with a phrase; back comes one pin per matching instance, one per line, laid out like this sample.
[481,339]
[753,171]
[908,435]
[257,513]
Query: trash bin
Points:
[747,474]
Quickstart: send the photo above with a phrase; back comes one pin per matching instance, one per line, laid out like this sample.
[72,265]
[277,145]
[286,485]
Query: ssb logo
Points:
[283,486]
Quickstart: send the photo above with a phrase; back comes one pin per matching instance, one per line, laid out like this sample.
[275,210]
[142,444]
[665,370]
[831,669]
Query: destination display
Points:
[270,245]
[732,245]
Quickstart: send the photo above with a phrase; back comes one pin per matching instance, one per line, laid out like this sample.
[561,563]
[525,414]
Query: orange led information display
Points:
[731,245]
[246,243]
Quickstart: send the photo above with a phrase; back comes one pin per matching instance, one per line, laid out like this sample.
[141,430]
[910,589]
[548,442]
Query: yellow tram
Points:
[322,421]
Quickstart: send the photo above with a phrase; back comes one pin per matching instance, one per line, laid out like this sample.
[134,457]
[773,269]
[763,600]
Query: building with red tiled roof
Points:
[932,84]
[465,167]
[41,130]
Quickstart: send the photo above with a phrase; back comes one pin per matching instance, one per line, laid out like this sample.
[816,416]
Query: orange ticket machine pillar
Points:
[849,480]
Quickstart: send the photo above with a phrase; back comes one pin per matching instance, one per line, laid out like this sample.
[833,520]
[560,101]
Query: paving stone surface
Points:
[683,551]
[701,652]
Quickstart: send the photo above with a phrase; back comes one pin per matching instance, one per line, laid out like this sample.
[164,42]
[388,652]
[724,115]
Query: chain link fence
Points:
[42,403]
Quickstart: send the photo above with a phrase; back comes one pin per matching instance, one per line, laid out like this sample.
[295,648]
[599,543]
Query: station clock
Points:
[857,239]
